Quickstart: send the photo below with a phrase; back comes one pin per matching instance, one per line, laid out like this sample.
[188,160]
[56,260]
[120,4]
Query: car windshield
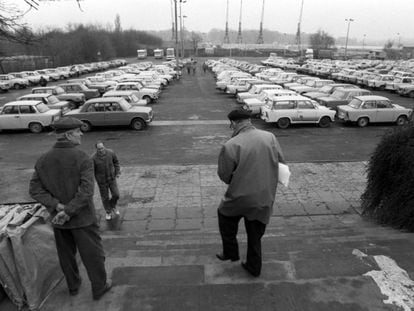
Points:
[355,103]
[53,100]
[339,94]
[41,107]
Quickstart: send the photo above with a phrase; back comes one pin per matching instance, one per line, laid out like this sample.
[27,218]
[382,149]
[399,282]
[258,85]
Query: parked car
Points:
[254,91]
[77,87]
[311,85]
[327,90]
[380,81]
[264,95]
[371,108]
[131,97]
[75,99]
[112,111]
[32,76]
[27,114]
[397,82]
[241,85]
[286,110]
[341,97]
[406,90]
[13,82]
[254,105]
[50,100]
[101,87]
[145,93]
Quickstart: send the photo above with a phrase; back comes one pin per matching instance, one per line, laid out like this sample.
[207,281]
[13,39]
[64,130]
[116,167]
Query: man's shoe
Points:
[74,292]
[116,212]
[107,287]
[224,258]
[108,216]
[246,267]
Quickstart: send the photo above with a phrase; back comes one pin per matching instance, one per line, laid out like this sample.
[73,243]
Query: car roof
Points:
[291,97]
[128,92]
[371,97]
[40,95]
[104,99]
[23,102]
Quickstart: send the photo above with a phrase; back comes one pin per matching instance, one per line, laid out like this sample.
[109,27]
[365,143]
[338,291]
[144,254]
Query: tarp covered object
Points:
[29,266]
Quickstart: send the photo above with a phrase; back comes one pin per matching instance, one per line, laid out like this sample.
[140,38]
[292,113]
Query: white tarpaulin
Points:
[29,266]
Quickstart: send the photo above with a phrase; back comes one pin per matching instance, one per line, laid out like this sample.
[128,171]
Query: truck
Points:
[142,54]
[170,53]
[158,53]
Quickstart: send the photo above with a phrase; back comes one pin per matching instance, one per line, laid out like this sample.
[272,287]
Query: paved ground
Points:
[317,248]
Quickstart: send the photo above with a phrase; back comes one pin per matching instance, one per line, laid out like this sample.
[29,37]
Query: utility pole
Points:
[260,38]
[172,21]
[298,33]
[349,20]
[181,32]
[176,35]
[226,31]
[239,34]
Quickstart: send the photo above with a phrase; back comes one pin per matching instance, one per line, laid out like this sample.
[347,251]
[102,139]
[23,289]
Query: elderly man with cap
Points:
[248,163]
[63,181]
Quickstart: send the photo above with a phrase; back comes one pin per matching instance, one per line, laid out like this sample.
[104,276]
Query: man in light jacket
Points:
[248,163]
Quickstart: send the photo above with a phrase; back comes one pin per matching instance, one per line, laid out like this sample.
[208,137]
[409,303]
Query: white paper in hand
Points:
[284,174]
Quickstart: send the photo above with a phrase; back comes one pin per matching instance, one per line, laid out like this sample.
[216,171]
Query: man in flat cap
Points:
[63,181]
[248,163]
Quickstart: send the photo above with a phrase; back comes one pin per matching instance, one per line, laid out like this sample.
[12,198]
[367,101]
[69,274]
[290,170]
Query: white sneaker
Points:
[108,216]
[116,212]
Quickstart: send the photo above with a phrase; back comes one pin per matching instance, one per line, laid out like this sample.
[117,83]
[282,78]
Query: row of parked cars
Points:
[393,76]
[286,97]
[24,79]
[110,98]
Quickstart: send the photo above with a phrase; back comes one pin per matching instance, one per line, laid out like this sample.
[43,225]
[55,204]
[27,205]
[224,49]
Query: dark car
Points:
[341,97]
[77,87]
[112,111]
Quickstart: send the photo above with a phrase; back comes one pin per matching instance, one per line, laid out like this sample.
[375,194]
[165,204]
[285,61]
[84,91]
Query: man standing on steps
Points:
[107,170]
[63,183]
[248,163]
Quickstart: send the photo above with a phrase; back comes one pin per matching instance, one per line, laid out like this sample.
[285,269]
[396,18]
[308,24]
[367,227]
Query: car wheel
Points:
[325,122]
[147,99]
[362,122]
[86,126]
[35,127]
[138,124]
[411,94]
[401,120]
[16,86]
[283,123]
[382,88]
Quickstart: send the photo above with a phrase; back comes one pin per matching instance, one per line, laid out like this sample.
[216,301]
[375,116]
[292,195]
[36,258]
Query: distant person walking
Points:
[63,183]
[248,163]
[204,67]
[188,67]
[42,81]
[194,66]
[107,170]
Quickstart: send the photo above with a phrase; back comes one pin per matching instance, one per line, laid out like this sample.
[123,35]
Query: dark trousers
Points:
[89,243]
[228,227]
[109,203]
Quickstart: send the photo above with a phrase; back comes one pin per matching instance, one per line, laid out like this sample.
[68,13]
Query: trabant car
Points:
[27,114]
[50,100]
[286,110]
[371,108]
[112,111]
[75,99]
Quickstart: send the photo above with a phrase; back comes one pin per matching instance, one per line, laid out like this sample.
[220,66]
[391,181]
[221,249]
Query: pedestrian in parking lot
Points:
[63,182]
[107,170]
[248,163]
[188,66]
[193,66]
[205,67]
[42,81]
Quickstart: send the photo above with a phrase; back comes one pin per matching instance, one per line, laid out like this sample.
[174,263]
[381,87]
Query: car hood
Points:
[315,94]
[253,101]
[328,99]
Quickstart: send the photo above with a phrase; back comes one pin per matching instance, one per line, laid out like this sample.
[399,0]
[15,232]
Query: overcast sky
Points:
[378,19]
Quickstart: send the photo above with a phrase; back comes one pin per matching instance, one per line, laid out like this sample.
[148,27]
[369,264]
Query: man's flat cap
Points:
[66,124]
[239,114]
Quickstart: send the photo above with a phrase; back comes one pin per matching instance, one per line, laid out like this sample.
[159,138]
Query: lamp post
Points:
[182,34]
[349,20]
[176,34]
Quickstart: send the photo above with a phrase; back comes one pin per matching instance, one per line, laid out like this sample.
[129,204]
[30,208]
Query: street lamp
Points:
[349,20]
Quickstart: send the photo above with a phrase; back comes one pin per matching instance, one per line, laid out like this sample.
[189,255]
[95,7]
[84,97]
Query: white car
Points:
[27,114]
[286,110]
[255,105]
[254,91]
[264,95]
[13,82]
[145,93]
[131,97]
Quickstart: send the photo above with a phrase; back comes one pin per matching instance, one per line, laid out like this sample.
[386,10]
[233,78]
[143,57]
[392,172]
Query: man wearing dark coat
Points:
[107,170]
[248,163]
[63,181]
